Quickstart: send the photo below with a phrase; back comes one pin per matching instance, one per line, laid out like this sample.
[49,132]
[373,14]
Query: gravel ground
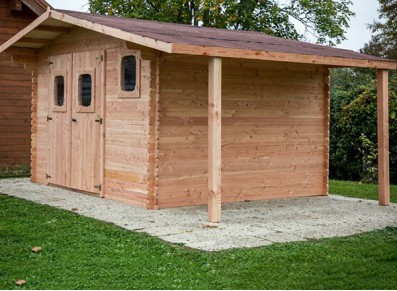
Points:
[247,224]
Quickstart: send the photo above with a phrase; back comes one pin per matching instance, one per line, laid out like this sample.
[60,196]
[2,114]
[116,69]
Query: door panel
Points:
[85,113]
[60,68]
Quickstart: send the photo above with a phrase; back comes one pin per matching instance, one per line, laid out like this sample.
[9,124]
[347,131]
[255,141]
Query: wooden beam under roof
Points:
[35,40]
[50,28]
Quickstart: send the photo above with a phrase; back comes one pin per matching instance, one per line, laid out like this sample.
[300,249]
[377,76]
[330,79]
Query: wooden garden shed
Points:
[15,84]
[158,114]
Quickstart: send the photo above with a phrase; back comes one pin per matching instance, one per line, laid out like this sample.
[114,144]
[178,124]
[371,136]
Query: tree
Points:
[325,20]
[383,42]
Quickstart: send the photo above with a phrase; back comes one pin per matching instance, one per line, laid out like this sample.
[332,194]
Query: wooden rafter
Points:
[16,5]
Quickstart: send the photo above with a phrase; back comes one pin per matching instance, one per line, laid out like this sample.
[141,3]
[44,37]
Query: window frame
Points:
[55,106]
[80,108]
[135,93]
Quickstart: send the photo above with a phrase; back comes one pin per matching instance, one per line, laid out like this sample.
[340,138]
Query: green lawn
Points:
[14,171]
[82,253]
[358,190]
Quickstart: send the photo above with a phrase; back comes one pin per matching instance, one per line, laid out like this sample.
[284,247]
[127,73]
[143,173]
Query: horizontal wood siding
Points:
[273,129]
[15,93]
[127,167]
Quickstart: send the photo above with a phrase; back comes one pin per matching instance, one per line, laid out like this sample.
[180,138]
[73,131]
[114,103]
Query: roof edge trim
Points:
[25,31]
[280,57]
[114,32]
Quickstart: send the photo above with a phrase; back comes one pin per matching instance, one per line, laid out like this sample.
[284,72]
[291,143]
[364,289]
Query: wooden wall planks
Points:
[15,93]
[273,130]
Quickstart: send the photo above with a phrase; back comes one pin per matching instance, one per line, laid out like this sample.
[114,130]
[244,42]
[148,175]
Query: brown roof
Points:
[185,39]
[215,37]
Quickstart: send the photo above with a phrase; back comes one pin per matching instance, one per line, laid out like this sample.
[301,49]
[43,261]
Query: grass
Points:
[15,171]
[82,253]
[359,190]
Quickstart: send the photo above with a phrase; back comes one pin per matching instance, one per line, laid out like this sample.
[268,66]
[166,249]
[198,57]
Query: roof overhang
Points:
[52,23]
[37,6]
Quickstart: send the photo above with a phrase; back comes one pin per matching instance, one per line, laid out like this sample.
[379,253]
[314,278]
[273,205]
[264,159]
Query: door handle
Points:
[74,119]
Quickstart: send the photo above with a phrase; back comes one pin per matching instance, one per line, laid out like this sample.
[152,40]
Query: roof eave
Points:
[281,57]
[114,32]
[25,31]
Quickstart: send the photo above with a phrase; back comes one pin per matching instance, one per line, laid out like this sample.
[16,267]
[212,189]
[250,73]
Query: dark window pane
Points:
[85,90]
[129,73]
[59,90]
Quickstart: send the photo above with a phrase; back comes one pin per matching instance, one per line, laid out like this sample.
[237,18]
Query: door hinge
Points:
[99,187]
[100,58]
[47,176]
[100,120]
[49,118]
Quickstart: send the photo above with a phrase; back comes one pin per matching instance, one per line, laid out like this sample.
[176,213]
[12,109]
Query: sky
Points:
[357,34]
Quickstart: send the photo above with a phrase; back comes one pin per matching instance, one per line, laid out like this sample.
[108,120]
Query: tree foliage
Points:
[353,150]
[353,141]
[384,39]
[325,20]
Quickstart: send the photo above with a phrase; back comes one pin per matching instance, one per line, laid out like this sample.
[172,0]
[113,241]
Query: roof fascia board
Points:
[39,20]
[280,57]
[114,32]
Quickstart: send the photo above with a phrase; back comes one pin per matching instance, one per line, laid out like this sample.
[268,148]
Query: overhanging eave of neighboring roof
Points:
[37,6]
[184,39]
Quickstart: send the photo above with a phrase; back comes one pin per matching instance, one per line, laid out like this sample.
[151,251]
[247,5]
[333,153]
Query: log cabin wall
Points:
[129,146]
[274,130]
[15,93]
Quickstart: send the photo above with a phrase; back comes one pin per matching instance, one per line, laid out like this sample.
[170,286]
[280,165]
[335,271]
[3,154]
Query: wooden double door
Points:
[75,97]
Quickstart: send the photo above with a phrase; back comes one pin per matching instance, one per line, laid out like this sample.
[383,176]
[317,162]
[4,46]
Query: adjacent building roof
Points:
[186,39]
[37,6]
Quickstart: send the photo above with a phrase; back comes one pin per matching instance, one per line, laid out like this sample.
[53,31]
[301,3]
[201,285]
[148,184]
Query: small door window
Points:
[59,86]
[85,90]
[128,73]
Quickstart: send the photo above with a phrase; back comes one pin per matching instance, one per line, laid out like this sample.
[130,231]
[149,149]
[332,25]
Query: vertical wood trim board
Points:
[214,139]
[102,129]
[383,137]
[33,150]
[154,137]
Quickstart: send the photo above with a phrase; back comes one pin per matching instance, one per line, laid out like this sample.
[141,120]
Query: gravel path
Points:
[248,224]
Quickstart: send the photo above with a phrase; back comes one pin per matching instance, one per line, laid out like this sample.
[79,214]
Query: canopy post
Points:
[214,139]
[383,138]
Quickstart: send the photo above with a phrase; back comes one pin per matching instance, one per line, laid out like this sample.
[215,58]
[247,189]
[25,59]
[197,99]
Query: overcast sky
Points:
[357,35]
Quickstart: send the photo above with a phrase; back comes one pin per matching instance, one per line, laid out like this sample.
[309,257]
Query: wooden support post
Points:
[383,138]
[214,138]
